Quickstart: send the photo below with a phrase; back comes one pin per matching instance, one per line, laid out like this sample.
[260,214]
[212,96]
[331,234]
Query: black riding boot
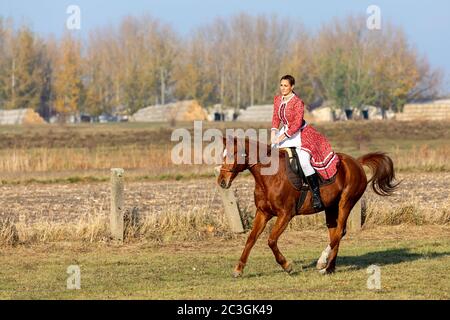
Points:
[313,182]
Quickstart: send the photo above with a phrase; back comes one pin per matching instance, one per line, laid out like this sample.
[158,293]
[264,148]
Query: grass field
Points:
[414,264]
[54,204]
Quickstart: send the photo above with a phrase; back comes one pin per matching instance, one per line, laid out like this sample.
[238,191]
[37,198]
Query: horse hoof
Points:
[237,274]
[289,269]
[321,266]
[324,271]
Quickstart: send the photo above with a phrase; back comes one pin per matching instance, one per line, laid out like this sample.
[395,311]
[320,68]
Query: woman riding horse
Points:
[276,197]
[313,149]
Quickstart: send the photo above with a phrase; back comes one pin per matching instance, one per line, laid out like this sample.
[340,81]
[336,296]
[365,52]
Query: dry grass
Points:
[60,159]
[87,229]
[27,153]
[197,224]
[157,161]
[412,213]
[9,235]
[168,211]
[169,226]
[422,158]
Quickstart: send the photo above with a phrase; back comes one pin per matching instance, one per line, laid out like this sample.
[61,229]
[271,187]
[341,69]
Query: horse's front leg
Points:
[279,227]
[259,224]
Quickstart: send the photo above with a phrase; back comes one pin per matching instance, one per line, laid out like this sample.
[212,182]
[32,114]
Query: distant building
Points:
[328,112]
[221,113]
[262,113]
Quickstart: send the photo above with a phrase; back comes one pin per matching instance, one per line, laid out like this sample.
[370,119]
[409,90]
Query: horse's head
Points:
[235,160]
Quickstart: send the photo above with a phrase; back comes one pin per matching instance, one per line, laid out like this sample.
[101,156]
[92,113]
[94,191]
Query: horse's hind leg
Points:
[259,224]
[345,207]
[331,216]
[280,225]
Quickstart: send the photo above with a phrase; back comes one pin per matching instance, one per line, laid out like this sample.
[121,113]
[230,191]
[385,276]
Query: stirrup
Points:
[321,205]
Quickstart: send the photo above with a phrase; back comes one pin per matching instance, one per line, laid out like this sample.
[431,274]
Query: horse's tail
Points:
[383,175]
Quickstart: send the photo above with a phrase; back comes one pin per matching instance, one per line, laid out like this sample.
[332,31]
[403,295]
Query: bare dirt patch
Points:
[69,202]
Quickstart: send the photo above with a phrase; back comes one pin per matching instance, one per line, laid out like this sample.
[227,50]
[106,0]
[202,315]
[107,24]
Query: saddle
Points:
[297,178]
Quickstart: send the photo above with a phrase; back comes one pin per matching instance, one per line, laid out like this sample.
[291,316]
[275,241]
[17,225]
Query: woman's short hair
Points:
[289,78]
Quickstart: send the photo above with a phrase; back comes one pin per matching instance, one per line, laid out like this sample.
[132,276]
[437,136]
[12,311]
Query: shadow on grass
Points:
[356,262]
[381,258]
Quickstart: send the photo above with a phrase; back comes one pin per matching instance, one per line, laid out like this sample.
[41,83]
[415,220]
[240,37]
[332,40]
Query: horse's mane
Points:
[263,145]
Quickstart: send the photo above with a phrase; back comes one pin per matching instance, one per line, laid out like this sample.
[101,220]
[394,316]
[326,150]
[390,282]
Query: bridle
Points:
[234,170]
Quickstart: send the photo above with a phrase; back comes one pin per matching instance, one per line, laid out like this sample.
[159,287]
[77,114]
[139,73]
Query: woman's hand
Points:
[280,139]
[273,137]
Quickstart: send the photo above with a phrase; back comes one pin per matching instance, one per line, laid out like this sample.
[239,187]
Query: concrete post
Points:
[230,206]
[355,219]
[117,204]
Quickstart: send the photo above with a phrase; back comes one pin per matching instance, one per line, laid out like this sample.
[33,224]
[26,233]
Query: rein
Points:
[234,170]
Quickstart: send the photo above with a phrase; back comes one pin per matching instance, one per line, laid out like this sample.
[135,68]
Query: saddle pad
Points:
[296,178]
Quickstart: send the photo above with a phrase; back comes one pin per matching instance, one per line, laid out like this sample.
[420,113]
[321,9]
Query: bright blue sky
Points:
[427,23]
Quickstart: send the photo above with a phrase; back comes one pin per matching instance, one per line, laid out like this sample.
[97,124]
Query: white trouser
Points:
[305,161]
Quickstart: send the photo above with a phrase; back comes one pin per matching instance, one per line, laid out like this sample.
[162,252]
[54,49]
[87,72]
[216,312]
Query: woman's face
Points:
[285,87]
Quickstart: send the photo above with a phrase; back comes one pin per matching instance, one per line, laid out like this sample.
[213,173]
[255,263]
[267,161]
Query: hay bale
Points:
[189,110]
[323,114]
[436,110]
[32,117]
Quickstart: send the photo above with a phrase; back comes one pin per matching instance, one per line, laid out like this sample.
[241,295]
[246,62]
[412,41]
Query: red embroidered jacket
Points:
[290,113]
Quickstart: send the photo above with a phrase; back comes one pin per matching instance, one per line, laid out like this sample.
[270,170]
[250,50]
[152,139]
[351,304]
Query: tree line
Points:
[234,62]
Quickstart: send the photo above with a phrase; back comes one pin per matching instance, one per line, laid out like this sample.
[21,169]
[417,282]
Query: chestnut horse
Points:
[275,196]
